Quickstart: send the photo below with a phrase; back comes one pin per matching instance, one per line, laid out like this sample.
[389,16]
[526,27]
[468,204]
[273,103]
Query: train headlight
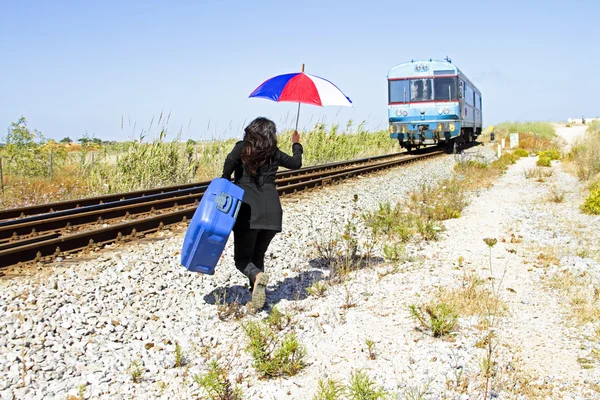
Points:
[446,110]
[398,112]
[405,113]
[440,111]
[451,127]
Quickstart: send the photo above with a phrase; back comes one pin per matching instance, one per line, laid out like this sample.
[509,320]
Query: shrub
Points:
[543,162]
[592,203]
[521,152]
[552,154]
[505,160]
[585,154]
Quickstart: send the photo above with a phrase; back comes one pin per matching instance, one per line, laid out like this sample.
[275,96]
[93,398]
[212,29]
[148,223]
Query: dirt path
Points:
[570,133]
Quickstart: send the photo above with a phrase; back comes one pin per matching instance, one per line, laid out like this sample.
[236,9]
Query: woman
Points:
[254,162]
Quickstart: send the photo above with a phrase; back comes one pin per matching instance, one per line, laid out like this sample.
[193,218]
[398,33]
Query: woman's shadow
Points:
[291,288]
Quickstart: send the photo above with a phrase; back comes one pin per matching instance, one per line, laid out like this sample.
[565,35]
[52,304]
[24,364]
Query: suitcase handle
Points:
[237,210]
[224,202]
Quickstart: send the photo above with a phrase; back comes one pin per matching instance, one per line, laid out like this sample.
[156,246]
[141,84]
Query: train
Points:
[432,103]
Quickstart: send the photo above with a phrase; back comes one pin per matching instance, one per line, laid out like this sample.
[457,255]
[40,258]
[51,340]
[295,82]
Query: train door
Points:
[461,96]
[474,111]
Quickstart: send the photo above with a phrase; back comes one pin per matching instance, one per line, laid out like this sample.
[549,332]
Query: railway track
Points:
[45,232]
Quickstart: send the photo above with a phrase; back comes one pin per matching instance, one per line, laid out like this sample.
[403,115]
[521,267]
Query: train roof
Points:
[418,68]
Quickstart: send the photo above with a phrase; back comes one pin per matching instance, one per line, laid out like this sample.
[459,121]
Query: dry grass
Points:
[533,136]
[582,293]
[420,214]
[473,297]
[83,171]
[556,195]
[547,256]
[21,191]
[475,174]
[538,174]
[585,154]
[511,377]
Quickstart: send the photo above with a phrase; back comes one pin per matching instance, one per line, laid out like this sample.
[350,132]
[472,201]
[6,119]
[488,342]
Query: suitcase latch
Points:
[223,202]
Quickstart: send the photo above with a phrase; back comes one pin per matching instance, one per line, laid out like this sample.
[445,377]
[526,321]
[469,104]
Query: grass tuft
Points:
[438,316]
[217,385]
[274,355]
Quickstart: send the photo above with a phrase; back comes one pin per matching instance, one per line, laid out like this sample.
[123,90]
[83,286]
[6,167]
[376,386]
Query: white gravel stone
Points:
[92,320]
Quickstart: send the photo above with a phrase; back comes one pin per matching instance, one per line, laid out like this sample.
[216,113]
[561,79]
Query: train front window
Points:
[421,89]
[445,88]
[398,91]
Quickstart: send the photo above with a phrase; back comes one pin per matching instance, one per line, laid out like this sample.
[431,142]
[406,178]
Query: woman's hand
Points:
[295,137]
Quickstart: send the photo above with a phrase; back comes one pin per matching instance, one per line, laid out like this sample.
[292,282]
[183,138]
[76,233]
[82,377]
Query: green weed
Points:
[217,385]
[273,355]
[180,358]
[437,316]
[371,349]
[135,370]
[363,387]
[329,389]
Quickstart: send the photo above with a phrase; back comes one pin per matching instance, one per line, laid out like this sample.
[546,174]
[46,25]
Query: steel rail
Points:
[29,211]
[15,230]
[50,246]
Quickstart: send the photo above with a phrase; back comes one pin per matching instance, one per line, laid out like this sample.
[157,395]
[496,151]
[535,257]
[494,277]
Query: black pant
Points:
[249,248]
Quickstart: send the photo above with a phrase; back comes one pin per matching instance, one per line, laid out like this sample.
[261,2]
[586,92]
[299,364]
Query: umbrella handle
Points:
[298,116]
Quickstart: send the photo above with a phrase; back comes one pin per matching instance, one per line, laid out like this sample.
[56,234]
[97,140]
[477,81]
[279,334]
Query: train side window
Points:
[469,96]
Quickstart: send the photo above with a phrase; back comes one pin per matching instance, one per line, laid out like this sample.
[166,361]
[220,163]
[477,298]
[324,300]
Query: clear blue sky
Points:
[72,67]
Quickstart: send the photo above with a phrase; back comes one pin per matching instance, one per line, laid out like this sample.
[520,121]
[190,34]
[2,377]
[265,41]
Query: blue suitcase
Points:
[211,226]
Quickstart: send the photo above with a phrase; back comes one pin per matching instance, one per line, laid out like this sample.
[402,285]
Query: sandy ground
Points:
[570,133]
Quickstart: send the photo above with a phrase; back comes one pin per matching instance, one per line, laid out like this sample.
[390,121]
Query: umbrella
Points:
[299,87]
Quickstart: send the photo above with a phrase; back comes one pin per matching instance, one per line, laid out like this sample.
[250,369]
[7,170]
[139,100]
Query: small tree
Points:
[66,140]
[24,155]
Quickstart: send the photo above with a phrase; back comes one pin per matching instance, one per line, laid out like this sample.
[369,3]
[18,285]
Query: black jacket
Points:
[261,208]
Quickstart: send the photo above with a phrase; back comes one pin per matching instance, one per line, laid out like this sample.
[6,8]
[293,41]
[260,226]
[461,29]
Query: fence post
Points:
[51,166]
[1,176]
[499,150]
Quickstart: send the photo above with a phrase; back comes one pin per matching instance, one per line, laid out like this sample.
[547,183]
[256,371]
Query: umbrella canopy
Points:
[302,88]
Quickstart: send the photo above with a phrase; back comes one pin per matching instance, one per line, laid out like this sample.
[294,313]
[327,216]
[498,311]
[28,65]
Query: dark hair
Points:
[260,142]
